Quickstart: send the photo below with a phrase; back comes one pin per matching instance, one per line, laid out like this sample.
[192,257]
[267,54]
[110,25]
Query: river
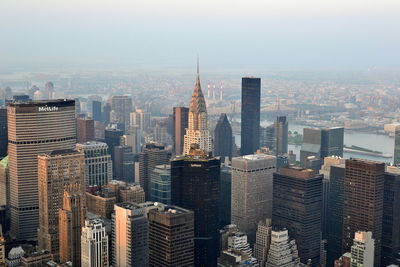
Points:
[372,141]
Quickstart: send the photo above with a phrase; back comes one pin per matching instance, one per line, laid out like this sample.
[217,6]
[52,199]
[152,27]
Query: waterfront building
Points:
[171,233]
[197,130]
[297,205]
[321,143]
[250,115]
[252,180]
[56,170]
[363,202]
[98,163]
[94,244]
[223,138]
[29,134]
[195,181]
[180,121]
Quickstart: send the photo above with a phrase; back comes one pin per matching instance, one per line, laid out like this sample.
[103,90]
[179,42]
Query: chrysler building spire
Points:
[197,131]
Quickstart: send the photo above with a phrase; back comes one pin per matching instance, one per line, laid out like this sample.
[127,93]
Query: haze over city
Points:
[255,34]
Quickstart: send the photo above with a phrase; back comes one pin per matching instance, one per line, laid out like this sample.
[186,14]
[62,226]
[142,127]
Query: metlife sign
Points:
[47,108]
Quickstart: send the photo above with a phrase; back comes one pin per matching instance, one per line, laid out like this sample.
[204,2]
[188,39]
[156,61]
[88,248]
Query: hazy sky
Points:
[270,34]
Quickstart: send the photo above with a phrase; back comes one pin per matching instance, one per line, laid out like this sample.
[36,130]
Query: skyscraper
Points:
[141,118]
[197,130]
[283,251]
[321,143]
[297,207]
[363,201]
[122,107]
[263,241]
[106,114]
[112,138]
[98,163]
[250,115]
[49,92]
[195,186]
[281,135]
[3,133]
[223,138]
[225,196]
[151,156]
[94,244]
[124,164]
[171,232]
[34,127]
[391,217]
[161,184]
[96,110]
[362,250]
[71,219]
[56,170]
[267,137]
[252,177]
[396,154]
[334,214]
[133,139]
[84,130]
[130,229]
[181,119]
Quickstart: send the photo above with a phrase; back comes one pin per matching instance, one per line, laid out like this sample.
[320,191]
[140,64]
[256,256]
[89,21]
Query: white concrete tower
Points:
[94,244]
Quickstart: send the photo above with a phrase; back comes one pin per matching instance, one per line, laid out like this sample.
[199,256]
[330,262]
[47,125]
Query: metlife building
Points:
[34,127]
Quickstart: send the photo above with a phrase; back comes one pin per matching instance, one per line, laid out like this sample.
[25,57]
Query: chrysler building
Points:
[197,131]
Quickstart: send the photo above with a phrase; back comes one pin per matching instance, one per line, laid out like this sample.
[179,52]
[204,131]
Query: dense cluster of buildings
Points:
[92,191]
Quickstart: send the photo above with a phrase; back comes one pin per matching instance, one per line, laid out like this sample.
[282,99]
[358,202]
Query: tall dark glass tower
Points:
[391,218]
[281,135]
[96,110]
[3,132]
[297,204]
[334,217]
[223,138]
[250,125]
[195,182]
[181,118]
[396,155]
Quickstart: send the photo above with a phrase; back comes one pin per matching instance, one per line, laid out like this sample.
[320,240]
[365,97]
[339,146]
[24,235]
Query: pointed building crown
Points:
[197,104]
